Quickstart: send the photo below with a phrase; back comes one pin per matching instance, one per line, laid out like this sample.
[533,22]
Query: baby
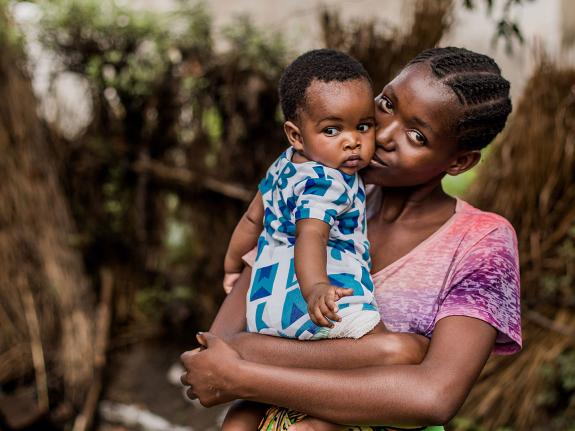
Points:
[311,275]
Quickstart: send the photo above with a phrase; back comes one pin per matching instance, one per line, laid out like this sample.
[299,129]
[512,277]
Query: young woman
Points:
[442,271]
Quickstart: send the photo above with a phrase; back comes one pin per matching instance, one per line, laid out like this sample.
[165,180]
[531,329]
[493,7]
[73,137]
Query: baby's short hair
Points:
[325,65]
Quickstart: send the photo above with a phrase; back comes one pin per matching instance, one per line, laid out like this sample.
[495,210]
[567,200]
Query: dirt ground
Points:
[139,377]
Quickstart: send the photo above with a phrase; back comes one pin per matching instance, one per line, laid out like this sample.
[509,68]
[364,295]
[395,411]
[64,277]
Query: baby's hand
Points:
[230,279]
[321,304]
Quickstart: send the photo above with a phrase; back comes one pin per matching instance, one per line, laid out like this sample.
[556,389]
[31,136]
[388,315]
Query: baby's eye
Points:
[330,131]
[416,137]
[385,104]
[364,127]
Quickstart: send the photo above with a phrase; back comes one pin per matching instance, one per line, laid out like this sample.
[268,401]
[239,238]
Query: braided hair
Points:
[477,82]
[326,65]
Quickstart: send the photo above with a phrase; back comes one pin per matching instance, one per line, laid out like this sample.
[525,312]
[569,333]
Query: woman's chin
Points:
[372,174]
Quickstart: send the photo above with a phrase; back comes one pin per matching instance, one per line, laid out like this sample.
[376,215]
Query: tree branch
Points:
[185,177]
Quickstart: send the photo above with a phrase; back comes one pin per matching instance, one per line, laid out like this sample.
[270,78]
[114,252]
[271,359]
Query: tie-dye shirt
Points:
[468,267]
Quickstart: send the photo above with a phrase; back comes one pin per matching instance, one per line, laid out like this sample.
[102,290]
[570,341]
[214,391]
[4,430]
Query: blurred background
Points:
[132,136]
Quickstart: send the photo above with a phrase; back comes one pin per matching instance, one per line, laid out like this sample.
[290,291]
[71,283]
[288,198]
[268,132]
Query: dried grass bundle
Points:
[530,180]
[383,49]
[45,318]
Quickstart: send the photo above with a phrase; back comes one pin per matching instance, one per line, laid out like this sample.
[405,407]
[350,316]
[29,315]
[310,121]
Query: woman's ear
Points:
[463,162]
[294,135]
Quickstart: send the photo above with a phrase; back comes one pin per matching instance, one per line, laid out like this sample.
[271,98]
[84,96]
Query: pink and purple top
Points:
[468,267]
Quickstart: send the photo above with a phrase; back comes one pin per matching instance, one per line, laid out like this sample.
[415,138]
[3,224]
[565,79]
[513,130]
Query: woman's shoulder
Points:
[478,223]
[476,215]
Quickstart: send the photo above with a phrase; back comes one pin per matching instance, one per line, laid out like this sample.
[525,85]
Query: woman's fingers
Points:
[190,394]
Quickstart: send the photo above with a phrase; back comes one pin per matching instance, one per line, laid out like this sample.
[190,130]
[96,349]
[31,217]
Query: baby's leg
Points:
[315,424]
[244,416]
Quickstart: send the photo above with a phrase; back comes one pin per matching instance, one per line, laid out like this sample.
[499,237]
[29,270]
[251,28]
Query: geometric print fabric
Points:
[290,192]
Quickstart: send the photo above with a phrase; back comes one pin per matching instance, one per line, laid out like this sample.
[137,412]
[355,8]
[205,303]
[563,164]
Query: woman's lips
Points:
[377,162]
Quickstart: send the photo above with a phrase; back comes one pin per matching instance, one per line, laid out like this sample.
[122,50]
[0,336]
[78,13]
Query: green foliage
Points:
[262,51]
[458,185]
[117,47]
[467,424]
[506,27]
[556,286]
[559,394]
[10,34]
[161,93]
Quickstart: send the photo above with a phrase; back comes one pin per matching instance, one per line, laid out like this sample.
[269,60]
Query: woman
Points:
[443,270]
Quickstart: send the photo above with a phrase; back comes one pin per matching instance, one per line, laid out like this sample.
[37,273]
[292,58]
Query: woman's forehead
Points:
[418,93]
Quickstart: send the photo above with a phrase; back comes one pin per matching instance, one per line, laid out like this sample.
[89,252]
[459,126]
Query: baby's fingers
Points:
[341,292]
[317,317]
[332,309]
[329,314]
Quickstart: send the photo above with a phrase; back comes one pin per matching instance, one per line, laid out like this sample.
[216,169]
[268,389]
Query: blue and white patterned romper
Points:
[295,191]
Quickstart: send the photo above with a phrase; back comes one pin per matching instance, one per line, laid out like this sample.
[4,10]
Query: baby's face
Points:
[337,124]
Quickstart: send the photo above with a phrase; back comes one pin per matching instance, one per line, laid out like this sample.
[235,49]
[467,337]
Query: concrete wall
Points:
[544,23]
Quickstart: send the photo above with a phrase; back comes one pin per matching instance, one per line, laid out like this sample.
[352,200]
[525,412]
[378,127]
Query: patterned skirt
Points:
[280,419]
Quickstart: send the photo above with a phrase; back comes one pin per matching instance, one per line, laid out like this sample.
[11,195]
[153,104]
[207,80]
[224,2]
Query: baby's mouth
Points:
[352,161]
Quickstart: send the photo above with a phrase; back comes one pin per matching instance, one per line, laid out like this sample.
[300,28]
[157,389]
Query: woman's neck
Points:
[406,204]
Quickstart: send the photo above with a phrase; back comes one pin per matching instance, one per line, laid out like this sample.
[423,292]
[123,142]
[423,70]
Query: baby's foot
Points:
[314,424]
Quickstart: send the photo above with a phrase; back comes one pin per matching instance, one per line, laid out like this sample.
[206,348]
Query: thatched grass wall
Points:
[530,179]
[46,307]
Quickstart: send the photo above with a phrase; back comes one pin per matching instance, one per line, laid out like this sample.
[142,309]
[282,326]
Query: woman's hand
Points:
[209,370]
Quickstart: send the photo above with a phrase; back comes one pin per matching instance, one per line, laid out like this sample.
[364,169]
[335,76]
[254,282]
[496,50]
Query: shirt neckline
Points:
[459,204]
[289,152]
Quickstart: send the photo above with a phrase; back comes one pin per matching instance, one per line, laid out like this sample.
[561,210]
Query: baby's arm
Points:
[244,238]
[310,267]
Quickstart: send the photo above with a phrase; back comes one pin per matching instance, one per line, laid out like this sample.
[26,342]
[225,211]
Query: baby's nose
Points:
[352,142]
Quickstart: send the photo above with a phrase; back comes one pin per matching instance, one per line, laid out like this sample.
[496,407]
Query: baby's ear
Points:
[294,135]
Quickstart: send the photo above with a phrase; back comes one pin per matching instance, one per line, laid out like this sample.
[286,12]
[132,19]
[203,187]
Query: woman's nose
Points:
[385,135]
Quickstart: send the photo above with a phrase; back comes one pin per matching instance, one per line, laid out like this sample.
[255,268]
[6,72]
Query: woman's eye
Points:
[330,131]
[416,137]
[385,104]
[364,127]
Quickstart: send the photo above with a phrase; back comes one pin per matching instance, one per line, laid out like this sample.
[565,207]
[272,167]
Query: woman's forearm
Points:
[231,317]
[427,393]
[400,394]
[375,349]
[370,350]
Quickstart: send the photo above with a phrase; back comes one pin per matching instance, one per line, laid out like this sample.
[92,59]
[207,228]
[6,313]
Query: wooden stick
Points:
[103,320]
[35,343]
[549,324]
[185,177]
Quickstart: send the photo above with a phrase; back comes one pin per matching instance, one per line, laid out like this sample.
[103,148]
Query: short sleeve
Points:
[486,286]
[250,257]
[321,198]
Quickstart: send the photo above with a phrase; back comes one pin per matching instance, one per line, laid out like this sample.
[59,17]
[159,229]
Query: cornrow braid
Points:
[477,82]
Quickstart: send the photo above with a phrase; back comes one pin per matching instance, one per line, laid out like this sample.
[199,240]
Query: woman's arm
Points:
[376,349]
[370,350]
[231,317]
[429,393]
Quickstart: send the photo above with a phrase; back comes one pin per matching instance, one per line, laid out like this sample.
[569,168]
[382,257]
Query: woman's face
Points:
[414,116]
